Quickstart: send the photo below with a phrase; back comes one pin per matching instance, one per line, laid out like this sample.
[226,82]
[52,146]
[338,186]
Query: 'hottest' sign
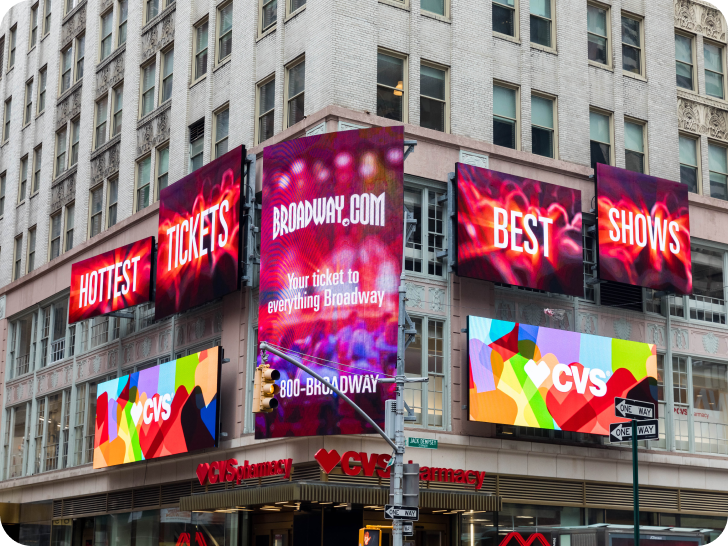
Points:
[111,281]
[199,237]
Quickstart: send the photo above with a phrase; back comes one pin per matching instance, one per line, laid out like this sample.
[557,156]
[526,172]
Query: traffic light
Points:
[370,537]
[264,389]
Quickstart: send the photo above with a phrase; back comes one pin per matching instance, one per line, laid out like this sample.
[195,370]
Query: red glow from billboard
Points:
[644,230]
[519,231]
[199,238]
[111,281]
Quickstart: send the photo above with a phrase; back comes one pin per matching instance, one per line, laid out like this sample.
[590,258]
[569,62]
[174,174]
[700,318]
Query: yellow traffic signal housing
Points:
[265,389]
[370,537]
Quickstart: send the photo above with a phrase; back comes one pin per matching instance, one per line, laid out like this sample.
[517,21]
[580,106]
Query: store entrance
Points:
[430,530]
[83,532]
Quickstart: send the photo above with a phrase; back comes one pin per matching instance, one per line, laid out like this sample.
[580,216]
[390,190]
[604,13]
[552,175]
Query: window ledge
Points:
[25,126]
[68,173]
[39,114]
[436,17]
[294,14]
[157,18]
[154,113]
[602,66]
[396,4]
[634,76]
[20,204]
[32,49]
[34,195]
[68,16]
[105,146]
[9,70]
[222,63]
[544,48]
[110,59]
[198,80]
[271,30]
[68,92]
[506,38]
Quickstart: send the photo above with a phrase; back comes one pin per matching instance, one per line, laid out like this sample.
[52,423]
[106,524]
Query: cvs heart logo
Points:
[202,471]
[136,412]
[537,372]
[327,459]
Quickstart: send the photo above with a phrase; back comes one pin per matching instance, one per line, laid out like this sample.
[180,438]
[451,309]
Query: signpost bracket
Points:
[410,417]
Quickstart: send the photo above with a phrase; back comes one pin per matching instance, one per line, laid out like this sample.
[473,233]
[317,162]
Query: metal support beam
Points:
[409,147]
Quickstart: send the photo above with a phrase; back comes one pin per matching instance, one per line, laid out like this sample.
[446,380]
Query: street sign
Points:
[634,409]
[392,511]
[646,430]
[408,528]
[424,443]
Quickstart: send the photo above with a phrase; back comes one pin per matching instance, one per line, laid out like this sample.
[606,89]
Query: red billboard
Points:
[644,230]
[111,281]
[519,231]
[199,238]
[331,259]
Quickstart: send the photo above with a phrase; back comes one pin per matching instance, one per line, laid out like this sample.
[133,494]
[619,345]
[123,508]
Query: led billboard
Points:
[331,259]
[165,410]
[111,281]
[199,238]
[554,379]
[644,230]
[519,231]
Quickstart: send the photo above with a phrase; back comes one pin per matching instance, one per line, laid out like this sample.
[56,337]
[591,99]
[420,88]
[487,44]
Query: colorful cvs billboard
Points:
[111,281]
[554,379]
[165,410]
[331,258]
[644,230]
[199,238]
[519,231]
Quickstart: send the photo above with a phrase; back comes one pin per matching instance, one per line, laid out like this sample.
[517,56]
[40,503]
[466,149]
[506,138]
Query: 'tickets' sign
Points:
[331,258]
[111,281]
[199,238]
[519,231]
[644,230]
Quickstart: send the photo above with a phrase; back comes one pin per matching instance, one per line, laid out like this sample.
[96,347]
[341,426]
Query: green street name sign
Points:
[424,443]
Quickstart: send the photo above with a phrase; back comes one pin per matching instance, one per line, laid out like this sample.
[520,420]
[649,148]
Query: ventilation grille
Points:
[171,493]
[197,130]
[664,499]
[306,474]
[146,497]
[120,500]
[620,295]
[57,509]
[700,501]
[611,495]
[533,490]
[215,487]
[197,489]
[579,539]
[93,504]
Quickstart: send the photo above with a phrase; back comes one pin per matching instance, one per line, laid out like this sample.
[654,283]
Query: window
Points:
[391,101]
[295,93]
[36,464]
[589,257]
[17,257]
[504,16]
[144,171]
[118,98]
[266,109]
[201,38]
[37,161]
[53,431]
[107,27]
[61,151]
[167,75]
[295,5]
[75,137]
[162,169]
[598,31]
[541,22]
[684,61]
[28,113]
[225,32]
[437,7]
[148,77]
[33,26]
[18,445]
[600,133]
[222,126]
[689,171]
[634,146]
[268,13]
[47,17]
[70,209]
[718,171]
[429,234]
[707,302]
[433,98]
[97,204]
[23,184]
[102,109]
[152,10]
[505,117]
[6,124]
[713,70]
[710,392]
[123,14]
[197,142]
[66,68]
[80,54]
[55,246]
[542,126]
[426,399]
[31,249]
[42,75]
[70,4]
[2,195]
[11,47]
[111,201]
[631,45]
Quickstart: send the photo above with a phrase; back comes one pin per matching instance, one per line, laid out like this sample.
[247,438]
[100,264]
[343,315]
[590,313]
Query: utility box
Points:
[410,487]
[390,413]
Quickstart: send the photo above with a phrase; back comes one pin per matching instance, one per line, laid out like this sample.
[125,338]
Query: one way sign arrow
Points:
[634,409]
[392,511]
[646,430]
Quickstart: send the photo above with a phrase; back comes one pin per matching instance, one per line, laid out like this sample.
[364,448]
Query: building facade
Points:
[105,102]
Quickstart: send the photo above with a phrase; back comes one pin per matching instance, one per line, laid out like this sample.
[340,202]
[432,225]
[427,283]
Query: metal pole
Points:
[398,473]
[635,485]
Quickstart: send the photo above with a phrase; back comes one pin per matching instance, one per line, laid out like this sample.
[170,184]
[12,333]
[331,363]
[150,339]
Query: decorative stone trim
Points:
[158,33]
[111,73]
[702,119]
[106,162]
[154,130]
[698,17]
[63,190]
[70,106]
[73,24]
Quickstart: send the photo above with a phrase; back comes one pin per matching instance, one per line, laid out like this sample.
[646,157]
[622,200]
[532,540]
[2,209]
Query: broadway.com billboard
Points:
[165,410]
[554,379]
[331,258]
[519,231]
[644,230]
[199,239]
[111,281]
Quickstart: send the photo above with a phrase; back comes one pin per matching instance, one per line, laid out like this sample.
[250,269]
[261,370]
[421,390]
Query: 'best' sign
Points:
[111,281]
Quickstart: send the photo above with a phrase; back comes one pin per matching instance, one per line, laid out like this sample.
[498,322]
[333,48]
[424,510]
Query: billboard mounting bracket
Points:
[409,148]
[120,314]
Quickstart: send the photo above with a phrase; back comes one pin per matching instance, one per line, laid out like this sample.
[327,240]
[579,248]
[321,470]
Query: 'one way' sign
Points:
[634,409]
[646,430]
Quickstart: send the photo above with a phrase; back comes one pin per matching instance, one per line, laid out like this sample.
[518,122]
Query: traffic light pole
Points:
[635,485]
